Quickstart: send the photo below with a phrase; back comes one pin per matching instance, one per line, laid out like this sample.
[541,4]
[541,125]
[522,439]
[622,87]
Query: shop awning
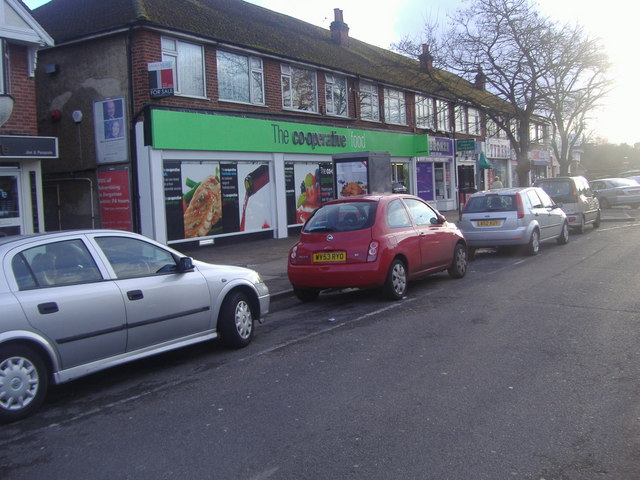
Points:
[484,163]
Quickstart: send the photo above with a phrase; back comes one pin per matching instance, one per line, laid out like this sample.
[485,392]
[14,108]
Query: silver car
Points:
[74,303]
[613,192]
[576,198]
[512,216]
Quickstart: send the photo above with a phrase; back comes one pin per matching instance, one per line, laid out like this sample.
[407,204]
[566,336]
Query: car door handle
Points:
[49,307]
[135,295]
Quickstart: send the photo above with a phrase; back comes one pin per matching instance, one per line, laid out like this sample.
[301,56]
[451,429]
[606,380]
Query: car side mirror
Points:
[185,264]
[441,219]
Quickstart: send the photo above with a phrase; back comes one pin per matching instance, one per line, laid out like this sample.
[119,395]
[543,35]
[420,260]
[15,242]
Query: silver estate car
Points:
[512,216]
[77,302]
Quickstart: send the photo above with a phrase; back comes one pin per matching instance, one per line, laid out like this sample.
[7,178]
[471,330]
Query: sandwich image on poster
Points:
[202,200]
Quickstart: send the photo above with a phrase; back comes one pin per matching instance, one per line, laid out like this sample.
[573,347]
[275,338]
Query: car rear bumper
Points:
[519,236]
[346,275]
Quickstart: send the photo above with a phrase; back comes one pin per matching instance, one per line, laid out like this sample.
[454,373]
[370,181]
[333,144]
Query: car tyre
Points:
[458,267]
[395,286]
[580,227]
[533,247]
[236,320]
[306,294]
[563,239]
[24,381]
[596,224]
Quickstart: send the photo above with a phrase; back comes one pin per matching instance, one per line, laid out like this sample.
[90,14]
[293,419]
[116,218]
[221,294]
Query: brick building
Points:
[21,150]
[157,102]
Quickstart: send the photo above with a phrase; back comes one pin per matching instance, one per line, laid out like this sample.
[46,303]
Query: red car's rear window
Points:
[342,217]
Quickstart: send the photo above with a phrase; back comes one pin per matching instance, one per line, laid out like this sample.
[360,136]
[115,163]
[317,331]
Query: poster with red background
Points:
[115,199]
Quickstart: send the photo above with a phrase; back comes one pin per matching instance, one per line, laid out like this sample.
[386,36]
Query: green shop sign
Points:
[172,130]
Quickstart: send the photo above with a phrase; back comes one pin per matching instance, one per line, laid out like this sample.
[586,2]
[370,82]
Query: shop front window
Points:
[10,220]
[442,176]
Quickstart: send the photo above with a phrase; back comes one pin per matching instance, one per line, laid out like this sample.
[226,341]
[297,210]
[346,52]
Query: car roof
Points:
[14,240]
[371,197]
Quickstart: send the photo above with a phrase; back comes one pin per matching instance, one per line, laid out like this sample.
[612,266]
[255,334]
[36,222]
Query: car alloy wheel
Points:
[395,286]
[23,382]
[458,267]
[533,248]
[235,324]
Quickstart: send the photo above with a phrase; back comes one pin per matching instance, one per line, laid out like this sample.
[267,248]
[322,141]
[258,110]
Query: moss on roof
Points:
[243,24]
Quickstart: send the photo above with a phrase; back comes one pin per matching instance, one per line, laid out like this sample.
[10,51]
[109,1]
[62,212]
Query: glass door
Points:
[10,211]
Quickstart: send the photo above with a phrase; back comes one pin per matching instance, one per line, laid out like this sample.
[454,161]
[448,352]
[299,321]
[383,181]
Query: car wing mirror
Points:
[441,219]
[185,264]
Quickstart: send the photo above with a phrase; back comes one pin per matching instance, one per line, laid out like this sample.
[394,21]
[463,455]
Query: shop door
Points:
[10,211]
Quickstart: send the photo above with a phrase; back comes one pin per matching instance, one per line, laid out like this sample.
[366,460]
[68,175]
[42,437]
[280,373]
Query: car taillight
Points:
[372,253]
[293,255]
[520,206]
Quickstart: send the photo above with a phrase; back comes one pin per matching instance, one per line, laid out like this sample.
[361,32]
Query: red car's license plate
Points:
[321,257]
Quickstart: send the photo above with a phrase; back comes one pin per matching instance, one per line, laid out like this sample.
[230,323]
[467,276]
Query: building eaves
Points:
[242,24]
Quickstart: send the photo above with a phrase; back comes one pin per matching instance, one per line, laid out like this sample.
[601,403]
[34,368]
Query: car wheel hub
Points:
[18,383]
[244,321]
[399,279]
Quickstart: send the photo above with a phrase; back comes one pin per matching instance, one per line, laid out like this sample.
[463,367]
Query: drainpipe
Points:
[135,194]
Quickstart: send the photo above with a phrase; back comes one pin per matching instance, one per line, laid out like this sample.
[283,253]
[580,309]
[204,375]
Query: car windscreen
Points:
[560,191]
[342,217]
[491,203]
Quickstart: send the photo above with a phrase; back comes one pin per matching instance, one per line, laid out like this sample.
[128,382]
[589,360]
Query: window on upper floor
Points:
[188,66]
[443,118]
[475,123]
[537,133]
[299,88]
[395,109]
[425,116]
[462,123]
[369,102]
[240,78]
[336,95]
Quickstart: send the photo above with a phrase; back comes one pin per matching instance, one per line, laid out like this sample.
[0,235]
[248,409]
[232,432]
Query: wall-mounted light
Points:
[77,116]
[6,107]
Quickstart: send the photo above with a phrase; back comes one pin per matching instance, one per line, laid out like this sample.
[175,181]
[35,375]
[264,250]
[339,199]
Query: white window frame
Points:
[290,75]
[461,121]
[254,78]
[369,102]
[395,106]
[336,94]
[179,70]
[425,112]
[474,121]
[443,116]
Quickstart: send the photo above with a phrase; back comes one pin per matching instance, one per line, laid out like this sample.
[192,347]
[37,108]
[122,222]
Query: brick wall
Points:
[23,120]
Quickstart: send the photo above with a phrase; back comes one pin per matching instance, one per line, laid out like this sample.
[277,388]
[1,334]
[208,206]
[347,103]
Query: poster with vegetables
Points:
[307,178]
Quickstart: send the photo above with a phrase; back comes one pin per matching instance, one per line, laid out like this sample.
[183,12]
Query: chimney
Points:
[426,60]
[339,29]
[481,80]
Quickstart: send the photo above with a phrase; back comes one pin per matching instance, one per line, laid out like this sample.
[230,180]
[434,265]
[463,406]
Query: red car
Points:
[374,241]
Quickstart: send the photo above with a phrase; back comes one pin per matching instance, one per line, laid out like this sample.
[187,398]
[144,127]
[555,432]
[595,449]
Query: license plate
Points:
[488,223]
[330,257]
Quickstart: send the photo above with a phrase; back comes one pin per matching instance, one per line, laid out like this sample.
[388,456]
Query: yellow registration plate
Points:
[321,257]
[488,223]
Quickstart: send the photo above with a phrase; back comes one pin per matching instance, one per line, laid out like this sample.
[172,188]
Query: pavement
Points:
[269,256]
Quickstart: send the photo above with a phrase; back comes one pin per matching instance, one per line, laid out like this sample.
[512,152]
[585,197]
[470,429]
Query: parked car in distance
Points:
[614,192]
[576,199]
[512,216]
[374,241]
[77,302]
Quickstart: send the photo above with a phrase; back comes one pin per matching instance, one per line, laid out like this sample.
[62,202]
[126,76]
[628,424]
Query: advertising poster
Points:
[115,199]
[110,123]
[352,178]
[308,186]
[424,177]
[204,199]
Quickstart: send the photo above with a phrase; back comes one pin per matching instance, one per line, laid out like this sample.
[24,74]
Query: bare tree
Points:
[538,70]
[574,86]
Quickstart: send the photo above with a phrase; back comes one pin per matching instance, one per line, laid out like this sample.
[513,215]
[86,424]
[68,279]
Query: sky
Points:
[381,23]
